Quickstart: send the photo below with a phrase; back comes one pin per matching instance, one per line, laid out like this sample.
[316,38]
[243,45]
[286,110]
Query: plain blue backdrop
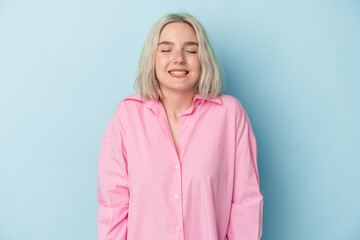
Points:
[294,65]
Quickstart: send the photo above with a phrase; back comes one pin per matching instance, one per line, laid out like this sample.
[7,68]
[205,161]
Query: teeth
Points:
[179,73]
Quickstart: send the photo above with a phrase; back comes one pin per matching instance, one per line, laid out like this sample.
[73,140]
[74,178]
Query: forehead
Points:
[178,32]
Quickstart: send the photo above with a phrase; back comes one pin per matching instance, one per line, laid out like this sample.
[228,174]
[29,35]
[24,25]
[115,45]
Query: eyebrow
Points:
[171,43]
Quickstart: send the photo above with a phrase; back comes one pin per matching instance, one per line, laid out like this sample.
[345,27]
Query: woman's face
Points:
[177,63]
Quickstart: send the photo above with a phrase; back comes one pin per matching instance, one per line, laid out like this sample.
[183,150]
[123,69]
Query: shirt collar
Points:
[152,104]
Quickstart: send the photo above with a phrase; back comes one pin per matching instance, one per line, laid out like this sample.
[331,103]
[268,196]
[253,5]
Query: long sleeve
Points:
[247,202]
[112,188]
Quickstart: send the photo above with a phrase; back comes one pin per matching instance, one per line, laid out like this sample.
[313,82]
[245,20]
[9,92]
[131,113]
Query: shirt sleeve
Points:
[247,202]
[112,188]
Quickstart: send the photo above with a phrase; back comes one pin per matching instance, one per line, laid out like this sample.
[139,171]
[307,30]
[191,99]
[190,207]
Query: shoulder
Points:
[231,102]
[235,110]
[133,106]
[130,101]
[133,98]
[123,105]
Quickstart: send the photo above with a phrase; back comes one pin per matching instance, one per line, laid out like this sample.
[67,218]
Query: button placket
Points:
[177,181]
[178,201]
[178,204]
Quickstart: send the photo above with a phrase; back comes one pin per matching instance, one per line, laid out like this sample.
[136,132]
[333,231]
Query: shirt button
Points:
[177,165]
[177,228]
[176,196]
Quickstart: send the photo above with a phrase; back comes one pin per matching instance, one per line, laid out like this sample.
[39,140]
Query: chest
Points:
[200,144]
[174,129]
[157,139]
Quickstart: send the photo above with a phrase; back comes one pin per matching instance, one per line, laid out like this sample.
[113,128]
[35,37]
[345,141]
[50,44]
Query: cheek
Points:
[195,63]
[159,63]
[161,59]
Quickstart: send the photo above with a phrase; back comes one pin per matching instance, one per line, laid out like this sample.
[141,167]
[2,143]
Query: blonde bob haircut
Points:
[209,84]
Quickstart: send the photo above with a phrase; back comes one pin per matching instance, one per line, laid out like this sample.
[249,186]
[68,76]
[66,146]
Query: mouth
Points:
[178,74]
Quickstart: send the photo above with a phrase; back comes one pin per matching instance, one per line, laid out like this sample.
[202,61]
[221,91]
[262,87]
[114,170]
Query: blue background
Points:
[64,65]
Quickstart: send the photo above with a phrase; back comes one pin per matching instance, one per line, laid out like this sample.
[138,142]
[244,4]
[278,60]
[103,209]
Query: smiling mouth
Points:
[179,74]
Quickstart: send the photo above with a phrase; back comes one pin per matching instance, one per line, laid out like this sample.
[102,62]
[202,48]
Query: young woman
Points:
[178,159]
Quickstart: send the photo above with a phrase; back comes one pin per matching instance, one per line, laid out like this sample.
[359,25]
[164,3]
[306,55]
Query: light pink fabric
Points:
[210,191]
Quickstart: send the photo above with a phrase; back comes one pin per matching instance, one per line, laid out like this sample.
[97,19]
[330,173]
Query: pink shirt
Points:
[209,191]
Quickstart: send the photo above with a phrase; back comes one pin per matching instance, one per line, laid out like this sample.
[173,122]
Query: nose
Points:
[178,57]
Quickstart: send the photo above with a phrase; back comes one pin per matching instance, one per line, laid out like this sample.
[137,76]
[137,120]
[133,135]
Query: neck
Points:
[176,103]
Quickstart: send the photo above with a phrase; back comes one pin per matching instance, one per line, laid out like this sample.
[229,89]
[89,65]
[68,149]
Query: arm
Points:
[247,202]
[112,188]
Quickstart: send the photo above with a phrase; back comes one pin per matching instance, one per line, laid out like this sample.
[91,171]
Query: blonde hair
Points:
[209,84]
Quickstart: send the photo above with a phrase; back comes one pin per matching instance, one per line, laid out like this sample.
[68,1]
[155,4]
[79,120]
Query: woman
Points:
[178,159]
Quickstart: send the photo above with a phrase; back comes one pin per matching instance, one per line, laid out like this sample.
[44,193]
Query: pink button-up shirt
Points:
[209,190]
